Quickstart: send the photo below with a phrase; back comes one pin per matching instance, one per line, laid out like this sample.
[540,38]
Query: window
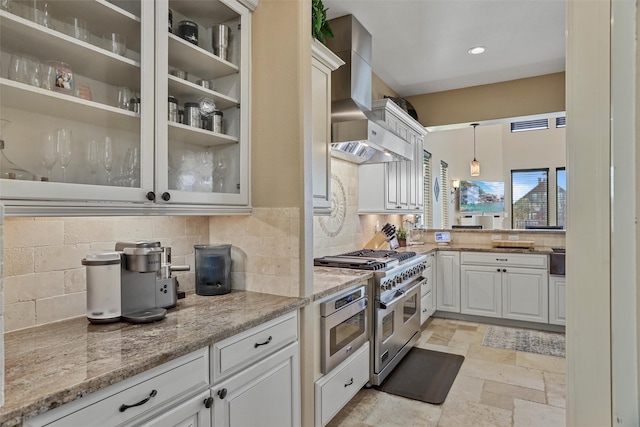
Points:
[530,125]
[561,122]
[529,198]
[428,200]
[561,197]
[444,192]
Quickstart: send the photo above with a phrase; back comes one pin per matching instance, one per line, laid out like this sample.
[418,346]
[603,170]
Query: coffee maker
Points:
[147,288]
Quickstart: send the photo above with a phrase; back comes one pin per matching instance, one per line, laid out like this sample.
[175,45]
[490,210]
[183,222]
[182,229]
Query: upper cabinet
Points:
[124,107]
[394,187]
[323,62]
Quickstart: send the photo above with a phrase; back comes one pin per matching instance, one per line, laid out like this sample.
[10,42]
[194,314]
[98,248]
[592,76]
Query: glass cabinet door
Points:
[77,116]
[201,129]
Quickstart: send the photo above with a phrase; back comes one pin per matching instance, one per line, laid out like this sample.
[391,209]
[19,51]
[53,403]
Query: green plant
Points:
[320,27]
[402,233]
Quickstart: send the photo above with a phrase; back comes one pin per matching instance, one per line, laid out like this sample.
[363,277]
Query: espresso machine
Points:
[147,288]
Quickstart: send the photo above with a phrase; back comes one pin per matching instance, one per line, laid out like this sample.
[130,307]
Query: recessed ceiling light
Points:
[476,50]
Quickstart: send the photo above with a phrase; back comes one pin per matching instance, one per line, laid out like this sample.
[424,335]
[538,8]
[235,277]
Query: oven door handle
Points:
[400,294]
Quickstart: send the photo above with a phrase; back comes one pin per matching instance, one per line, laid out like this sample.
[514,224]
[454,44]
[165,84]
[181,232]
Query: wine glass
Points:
[63,150]
[107,156]
[49,158]
[92,159]
[220,170]
[131,167]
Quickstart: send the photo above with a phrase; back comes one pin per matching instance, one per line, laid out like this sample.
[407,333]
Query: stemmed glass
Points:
[63,150]
[220,171]
[107,157]
[92,159]
[131,167]
[49,158]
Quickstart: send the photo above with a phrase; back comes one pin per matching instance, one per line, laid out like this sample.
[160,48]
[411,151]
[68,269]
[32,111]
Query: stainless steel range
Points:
[396,308]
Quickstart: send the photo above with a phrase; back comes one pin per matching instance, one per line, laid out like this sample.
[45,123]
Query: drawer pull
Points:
[349,383]
[208,402]
[124,407]
[258,344]
[502,259]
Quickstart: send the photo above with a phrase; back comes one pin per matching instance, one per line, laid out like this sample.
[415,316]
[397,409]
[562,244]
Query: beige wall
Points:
[379,88]
[515,98]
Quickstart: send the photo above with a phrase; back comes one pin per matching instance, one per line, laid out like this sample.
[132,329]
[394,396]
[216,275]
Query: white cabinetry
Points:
[557,300]
[396,187]
[256,376]
[336,389]
[323,62]
[144,396]
[192,413]
[448,283]
[428,290]
[511,286]
[153,164]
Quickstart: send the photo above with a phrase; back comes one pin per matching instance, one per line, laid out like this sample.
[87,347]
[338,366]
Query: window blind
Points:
[428,201]
[444,191]
[530,125]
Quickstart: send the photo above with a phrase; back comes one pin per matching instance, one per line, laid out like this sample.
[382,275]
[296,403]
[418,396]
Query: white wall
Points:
[499,151]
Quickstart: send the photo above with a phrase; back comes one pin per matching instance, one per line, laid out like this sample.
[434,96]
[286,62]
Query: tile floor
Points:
[494,387]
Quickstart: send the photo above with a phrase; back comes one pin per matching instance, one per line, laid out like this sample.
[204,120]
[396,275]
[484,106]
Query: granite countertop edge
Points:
[20,412]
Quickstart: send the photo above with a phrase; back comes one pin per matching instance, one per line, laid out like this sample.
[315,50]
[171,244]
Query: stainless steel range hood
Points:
[356,134]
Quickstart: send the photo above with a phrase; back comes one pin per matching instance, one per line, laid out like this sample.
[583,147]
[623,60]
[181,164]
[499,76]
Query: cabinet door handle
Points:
[124,407]
[222,393]
[498,270]
[502,259]
[504,270]
[166,196]
[349,383]
[258,344]
[208,402]
[151,196]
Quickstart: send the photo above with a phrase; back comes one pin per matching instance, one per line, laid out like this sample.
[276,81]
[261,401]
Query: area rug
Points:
[423,375]
[529,340]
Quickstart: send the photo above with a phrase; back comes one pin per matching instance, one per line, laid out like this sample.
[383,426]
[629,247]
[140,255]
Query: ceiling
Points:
[420,46]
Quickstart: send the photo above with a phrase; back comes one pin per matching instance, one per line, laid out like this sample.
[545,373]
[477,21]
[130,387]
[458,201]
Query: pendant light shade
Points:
[475,165]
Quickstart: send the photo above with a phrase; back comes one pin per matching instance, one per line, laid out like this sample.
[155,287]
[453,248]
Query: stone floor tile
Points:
[482,327]
[471,337]
[456,322]
[358,409]
[515,391]
[497,400]
[464,389]
[475,414]
[453,348]
[468,327]
[531,414]
[392,410]
[424,337]
[498,355]
[541,362]
[514,375]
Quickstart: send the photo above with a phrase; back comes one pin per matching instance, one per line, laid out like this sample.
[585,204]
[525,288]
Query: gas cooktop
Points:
[365,259]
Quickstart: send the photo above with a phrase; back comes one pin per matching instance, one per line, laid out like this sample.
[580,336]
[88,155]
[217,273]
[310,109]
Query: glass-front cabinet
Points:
[124,106]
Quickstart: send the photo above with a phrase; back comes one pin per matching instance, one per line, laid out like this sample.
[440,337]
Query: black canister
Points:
[170,21]
[188,30]
[213,269]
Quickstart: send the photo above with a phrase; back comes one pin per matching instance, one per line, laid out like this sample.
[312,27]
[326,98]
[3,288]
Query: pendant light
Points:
[475,165]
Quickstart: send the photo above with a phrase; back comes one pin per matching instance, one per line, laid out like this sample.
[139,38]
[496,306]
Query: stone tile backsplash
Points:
[43,278]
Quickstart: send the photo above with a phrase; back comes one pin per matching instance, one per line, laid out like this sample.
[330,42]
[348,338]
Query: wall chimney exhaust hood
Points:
[356,135]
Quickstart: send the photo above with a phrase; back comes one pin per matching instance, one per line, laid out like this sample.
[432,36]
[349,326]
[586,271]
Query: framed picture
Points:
[481,196]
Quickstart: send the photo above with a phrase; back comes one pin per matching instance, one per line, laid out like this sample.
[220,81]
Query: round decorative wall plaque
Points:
[332,224]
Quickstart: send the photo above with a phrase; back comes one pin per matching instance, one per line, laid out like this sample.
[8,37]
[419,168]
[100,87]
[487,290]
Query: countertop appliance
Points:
[147,288]
[396,308]
[344,327]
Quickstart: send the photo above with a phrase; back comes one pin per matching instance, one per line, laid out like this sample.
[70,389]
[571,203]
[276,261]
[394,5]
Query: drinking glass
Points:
[47,76]
[49,158]
[63,150]
[115,43]
[40,12]
[34,71]
[92,159]
[220,170]
[18,69]
[107,156]
[77,28]
[131,167]
[124,97]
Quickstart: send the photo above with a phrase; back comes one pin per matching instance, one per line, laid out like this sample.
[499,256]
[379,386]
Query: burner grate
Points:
[400,256]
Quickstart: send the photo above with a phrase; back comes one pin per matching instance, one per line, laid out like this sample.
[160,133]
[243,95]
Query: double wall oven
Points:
[395,311]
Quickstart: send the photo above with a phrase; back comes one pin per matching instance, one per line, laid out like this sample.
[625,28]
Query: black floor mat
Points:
[423,375]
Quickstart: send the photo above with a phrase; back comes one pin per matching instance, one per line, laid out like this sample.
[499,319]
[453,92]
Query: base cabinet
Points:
[557,300]
[481,291]
[266,394]
[192,413]
[448,283]
[428,290]
[525,295]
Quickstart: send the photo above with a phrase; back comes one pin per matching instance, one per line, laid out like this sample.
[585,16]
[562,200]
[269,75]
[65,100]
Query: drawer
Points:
[427,286]
[426,307]
[238,351]
[338,387]
[504,259]
[166,383]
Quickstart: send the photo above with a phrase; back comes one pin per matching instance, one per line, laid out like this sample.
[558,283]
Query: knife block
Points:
[376,243]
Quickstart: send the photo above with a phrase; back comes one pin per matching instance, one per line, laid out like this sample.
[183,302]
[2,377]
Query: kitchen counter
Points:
[328,280]
[50,365]
[472,247]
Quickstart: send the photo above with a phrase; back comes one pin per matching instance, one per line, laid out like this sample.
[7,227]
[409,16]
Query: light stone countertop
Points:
[329,280]
[50,365]
[472,247]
